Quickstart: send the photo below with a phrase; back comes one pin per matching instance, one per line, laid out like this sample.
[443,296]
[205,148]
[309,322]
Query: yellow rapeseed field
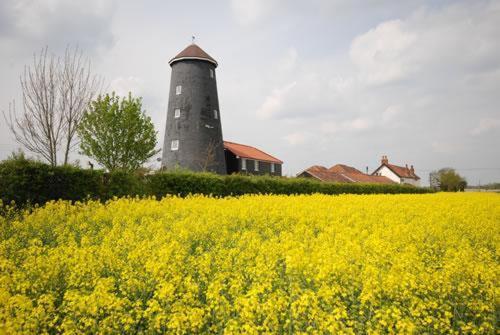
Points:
[257,264]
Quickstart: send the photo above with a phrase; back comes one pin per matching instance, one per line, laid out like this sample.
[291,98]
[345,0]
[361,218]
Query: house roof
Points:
[343,174]
[400,171]
[341,168]
[246,151]
[193,52]
[325,175]
[317,168]
[366,178]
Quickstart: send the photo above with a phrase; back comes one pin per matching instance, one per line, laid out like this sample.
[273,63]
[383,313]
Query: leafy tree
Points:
[447,179]
[117,133]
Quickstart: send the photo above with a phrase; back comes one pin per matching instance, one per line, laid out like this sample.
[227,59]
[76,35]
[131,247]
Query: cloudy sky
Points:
[310,82]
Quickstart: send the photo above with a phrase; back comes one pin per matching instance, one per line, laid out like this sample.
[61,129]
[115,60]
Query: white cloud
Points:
[442,44]
[485,125]
[441,147]
[289,61]
[357,124]
[390,113]
[28,25]
[122,86]
[249,12]
[297,138]
[273,103]
[382,53]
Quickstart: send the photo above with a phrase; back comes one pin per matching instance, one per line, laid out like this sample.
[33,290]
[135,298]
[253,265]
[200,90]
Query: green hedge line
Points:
[28,182]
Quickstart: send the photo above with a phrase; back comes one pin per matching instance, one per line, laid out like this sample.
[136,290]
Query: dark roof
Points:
[400,171]
[343,174]
[193,52]
[246,151]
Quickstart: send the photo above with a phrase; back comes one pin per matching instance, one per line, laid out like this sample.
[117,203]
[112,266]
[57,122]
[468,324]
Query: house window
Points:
[256,165]
[216,114]
[243,164]
[178,89]
[177,113]
[272,168]
[211,73]
[174,145]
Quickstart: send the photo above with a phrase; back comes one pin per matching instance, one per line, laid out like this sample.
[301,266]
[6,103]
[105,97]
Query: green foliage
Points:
[26,182]
[449,180]
[184,183]
[29,182]
[117,133]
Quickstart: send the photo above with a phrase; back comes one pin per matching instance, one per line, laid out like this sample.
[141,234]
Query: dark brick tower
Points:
[193,135]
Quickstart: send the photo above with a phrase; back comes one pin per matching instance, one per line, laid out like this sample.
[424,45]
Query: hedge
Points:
[29,182]
[184,183]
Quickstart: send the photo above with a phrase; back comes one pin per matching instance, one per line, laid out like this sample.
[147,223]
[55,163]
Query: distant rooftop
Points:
[341,173]
[193,52]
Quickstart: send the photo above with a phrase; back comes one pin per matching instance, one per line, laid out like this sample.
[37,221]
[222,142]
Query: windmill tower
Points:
[193,135]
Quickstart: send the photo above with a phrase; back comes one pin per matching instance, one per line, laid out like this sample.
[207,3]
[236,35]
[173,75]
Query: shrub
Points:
[29,182]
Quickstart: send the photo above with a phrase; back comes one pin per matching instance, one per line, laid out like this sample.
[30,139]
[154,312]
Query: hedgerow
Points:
[29,182]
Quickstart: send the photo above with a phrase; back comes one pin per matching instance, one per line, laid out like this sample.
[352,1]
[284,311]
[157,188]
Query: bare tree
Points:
[77,88]
[39,128]
[55,94]
[207,161]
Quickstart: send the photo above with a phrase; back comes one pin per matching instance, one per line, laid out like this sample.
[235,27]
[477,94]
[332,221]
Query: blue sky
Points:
[316,82]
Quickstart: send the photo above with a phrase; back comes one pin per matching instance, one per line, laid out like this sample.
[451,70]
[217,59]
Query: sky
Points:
[315,82]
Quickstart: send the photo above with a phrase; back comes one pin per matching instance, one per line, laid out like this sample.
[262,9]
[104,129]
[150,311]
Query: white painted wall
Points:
[386,172]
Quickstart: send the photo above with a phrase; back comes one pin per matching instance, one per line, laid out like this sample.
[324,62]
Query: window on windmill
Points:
[178,89]
[216,114]
[177,113]
[211,73]
[256,165]
[243,164]
[174,145]
[272,168]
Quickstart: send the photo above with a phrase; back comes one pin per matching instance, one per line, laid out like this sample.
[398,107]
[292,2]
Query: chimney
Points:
[406,165]
[385,160]
[412,170]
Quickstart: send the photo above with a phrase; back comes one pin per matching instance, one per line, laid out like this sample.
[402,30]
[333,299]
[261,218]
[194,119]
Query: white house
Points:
[398,174]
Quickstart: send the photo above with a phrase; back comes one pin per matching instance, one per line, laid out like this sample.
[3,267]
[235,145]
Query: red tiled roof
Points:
[325,176]
[400,171]
[193,52]
[366,178]
[317,168]
[341,168]
[247,151]
[343,174]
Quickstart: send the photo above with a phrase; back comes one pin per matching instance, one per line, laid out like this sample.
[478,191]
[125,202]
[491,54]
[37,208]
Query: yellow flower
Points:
[309,264]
